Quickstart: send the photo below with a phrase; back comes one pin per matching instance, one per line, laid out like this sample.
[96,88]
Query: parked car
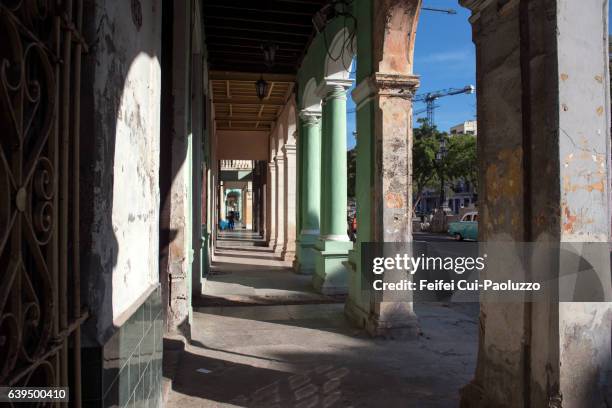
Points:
[467,228]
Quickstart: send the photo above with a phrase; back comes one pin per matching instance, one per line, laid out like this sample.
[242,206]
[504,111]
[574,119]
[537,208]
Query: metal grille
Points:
[40,309]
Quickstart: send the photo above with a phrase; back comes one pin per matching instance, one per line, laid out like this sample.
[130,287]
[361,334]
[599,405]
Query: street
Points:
[431,237]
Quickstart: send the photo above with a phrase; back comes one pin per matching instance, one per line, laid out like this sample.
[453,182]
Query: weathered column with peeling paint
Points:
[544,149]
[391,208]
[332,247]
[177,215]
[383,96]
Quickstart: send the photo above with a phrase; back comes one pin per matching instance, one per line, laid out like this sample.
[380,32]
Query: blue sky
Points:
[444,57]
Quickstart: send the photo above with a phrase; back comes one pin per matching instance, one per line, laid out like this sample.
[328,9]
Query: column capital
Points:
[272,165]
[477,6]
[289,149]
[333,88]
[389,85]
[310,117]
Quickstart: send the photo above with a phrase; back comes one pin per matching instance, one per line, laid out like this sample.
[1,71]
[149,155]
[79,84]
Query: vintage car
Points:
[467,228]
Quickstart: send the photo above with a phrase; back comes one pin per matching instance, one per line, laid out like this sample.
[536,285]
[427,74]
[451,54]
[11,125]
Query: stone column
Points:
[271,205]
[310,194]
[257,198]
[544,145]
[385,206]
[333,244]
[289,151]
[221,202]
[176,272]
[248,206]
[384,157]
[280,203]
[264,209]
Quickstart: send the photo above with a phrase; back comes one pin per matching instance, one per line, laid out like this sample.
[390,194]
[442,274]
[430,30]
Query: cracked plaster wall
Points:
[120,157]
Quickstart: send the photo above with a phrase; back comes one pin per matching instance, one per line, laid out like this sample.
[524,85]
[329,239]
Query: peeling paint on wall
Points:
[123,78]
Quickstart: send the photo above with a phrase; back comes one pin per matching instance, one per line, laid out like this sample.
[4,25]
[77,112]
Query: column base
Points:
[397,320]
[331,276]
[278,249]
[390,319]
[472,395]
[271,243]
[288,255]
[304,263]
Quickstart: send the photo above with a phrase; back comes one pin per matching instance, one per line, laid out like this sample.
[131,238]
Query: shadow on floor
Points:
[222,253]
[257,249]
[245,268]
[207,301]
[296,362]
[262,337]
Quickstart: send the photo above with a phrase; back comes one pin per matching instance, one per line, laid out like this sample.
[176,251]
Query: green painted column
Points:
[333,203]
[310,193]
[333,244]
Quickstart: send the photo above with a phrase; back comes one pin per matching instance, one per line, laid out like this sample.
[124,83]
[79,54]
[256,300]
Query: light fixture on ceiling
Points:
[261,87]
[269,51]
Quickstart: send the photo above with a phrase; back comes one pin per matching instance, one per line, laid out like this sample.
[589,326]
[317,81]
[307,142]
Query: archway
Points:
[332,246]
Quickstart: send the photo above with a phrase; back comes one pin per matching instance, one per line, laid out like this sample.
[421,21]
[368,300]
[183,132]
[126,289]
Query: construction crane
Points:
[431,97]
[439,10]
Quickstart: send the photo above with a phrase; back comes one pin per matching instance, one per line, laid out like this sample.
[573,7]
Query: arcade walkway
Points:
[264,339]
[244,271]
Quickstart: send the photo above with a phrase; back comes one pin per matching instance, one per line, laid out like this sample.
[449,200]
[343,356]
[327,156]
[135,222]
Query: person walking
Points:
[231,219]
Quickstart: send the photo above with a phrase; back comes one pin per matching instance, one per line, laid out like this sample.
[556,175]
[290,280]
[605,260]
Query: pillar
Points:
[176,269]
[197,130]
[264,209]
[248,206]
[279,164]
[289,151]
[261,202]
[333,244]
[544,145]
[271,205]
[256,198]
[221,201]
[383,96]
[310,194]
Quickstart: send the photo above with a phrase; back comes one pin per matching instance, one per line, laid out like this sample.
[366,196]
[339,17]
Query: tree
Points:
[460,162]
[425,145]
[462,159]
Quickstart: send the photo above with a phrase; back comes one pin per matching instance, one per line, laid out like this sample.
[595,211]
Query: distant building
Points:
[459,194]
[468,127]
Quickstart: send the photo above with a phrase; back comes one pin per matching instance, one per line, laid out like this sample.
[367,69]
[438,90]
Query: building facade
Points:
[469,127]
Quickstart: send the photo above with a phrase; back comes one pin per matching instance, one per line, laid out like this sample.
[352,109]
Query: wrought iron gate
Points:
[40,308]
